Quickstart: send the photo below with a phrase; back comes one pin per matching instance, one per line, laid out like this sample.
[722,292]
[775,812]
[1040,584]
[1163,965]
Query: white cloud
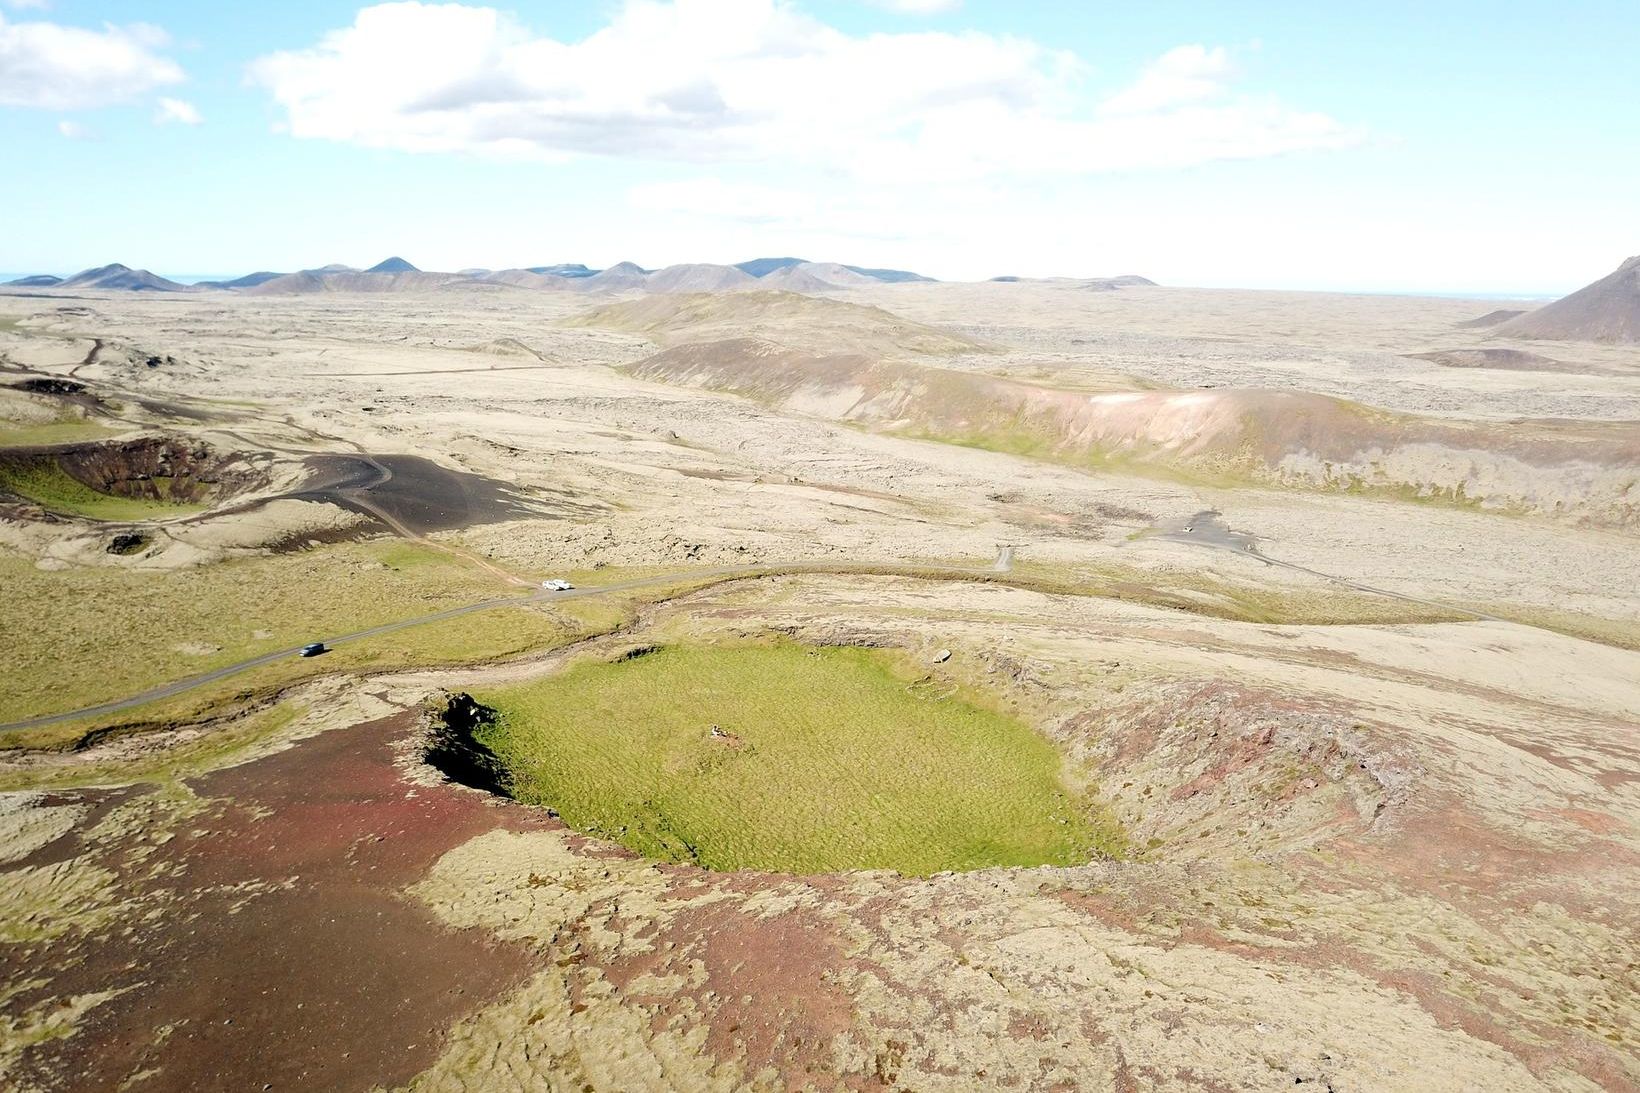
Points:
[918,7]
[177,110]
[57,67]
[1187,74]
[730,201]
[73,130]
[757,82]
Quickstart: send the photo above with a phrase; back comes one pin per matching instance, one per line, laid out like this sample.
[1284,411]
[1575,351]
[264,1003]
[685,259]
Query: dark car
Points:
[313,649]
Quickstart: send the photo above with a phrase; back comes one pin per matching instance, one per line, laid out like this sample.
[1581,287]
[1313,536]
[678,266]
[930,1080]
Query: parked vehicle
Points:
[557,584]
[313,649]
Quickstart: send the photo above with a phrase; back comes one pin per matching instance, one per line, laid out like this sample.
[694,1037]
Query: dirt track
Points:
[411,493]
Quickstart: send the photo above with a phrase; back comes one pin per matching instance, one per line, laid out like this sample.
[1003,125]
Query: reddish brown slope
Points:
[1606,311]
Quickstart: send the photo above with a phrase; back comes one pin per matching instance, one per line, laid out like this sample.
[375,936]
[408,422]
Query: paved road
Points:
[1002,563]
[681,576]
[182,686]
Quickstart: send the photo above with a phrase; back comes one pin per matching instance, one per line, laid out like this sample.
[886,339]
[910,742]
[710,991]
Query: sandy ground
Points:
[1366,856]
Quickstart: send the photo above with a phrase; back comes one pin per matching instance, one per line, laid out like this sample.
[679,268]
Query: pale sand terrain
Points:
[1378,843]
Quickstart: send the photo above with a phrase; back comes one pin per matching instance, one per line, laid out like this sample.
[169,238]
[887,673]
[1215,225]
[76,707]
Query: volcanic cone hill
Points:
[313,282]
[249,280]
[1492,318]
[794,279]
[1217,437]
[1511,360]
[122,278]
[803,322]
[697,277]
[1606,311]
[621,277]
[525,278]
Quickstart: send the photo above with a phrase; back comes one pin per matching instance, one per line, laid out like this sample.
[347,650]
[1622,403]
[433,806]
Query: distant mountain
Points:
[528,278]
[309,282]
[838,275]
[1513,360]
[1606,311]
[398,275]
[250,280]
[892,276]
[815,277]
[797,279]
[1094,284]
[123,279]
[1111,284]
[1492,318]
[620,277]
[697,277]
[565,269]
[395,274]
[762,267]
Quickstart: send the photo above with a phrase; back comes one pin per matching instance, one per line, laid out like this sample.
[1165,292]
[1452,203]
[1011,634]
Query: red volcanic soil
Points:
[287,956]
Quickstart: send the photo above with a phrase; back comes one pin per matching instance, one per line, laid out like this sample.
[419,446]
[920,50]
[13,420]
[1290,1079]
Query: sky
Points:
[1456,147]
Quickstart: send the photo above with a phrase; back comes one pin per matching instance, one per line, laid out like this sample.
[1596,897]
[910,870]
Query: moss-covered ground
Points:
[66,430]
[824,759]
[54,489]
[81,636]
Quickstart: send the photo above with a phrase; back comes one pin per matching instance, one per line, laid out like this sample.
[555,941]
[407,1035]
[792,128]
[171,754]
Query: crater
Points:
[775,757]
[145,478]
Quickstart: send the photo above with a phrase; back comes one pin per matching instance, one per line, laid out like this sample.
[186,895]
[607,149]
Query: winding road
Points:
[1002,564]
[681,576]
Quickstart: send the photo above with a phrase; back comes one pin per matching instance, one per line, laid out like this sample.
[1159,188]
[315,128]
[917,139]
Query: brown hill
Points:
[1289,438]
[697,277]
[311,282]
[794,279]
[621,277]
[785,318]
[1606,311]
[1509,360]
[814,277]
[1492,318]
[523,278]
[506,347]
[122,279]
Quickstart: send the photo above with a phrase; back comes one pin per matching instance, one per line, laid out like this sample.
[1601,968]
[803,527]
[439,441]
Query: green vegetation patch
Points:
[63,431]
[789,758]
[54,489]
[81,636]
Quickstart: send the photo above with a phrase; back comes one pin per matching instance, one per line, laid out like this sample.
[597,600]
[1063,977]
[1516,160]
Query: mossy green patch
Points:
[790,758]
[45,483]
[81,636]
[63,431]
[166,765]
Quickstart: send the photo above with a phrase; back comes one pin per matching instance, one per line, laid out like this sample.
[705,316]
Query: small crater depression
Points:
[145,478]
[774,756]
